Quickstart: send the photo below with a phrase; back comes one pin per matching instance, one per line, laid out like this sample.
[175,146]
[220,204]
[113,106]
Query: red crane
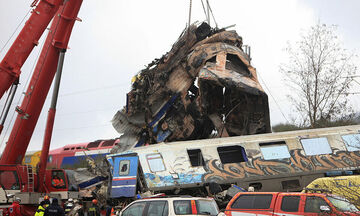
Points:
[14,176]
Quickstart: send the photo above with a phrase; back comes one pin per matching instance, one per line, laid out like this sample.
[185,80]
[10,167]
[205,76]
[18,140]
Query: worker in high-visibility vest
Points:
[94,210]
[41,209]
[47,201]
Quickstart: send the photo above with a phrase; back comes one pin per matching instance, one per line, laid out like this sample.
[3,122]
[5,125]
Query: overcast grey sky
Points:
[117,38]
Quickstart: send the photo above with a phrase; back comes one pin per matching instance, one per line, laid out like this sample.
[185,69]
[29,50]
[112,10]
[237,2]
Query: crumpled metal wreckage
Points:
[204,87]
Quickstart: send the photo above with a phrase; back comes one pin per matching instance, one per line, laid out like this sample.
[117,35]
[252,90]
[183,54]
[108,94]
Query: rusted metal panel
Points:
[203,87]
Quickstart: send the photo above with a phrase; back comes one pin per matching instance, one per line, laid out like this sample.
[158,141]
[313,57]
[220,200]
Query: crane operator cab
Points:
[9,180]
[56,179]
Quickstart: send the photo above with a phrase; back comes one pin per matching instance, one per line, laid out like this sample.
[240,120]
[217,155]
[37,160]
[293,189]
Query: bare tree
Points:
[319,72]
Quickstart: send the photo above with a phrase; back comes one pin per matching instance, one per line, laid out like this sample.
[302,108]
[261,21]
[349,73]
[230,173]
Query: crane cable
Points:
[287,121]
[212,14]
[190,6]
[206,14]
[41,67]
[12,35]
[1,50]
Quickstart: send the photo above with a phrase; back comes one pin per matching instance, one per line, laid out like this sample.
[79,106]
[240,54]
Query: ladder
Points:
[30,176]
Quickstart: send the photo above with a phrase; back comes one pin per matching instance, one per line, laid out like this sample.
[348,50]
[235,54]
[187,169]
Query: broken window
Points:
[156,163]
[274,150]
[316,146]
[352,142]
[290,184]
[196,158]
[234,63]
[232,154]
[107,143]
[256,185]
[93,144]
[124,167]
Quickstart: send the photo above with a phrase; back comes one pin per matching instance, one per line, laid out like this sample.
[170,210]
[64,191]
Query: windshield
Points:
[342,204]
[207,207]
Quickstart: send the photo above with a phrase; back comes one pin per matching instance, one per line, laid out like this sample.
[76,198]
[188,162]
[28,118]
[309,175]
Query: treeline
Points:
[349,120]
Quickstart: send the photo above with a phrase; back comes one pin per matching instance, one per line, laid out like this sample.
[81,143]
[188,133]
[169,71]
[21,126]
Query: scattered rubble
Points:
[203,87]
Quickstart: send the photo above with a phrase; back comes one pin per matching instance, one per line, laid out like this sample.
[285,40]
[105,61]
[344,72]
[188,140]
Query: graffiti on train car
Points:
[162,181]
[258,167]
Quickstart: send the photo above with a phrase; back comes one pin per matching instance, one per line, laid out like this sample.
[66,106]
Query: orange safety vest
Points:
[61,182]
[112,211]
[55,182]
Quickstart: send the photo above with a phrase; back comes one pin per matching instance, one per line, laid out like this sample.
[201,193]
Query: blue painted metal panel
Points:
[75,161]
[92,182]
[124,176]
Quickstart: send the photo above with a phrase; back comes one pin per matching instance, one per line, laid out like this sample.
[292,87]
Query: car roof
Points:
[175,198]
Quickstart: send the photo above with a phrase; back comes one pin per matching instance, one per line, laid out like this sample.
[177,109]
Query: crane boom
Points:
[29,111]
[25,42]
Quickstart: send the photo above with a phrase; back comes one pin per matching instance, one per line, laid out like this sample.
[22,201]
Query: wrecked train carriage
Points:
[204,84]
[284,161]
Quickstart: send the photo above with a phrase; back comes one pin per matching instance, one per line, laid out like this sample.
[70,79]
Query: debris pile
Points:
[203,87]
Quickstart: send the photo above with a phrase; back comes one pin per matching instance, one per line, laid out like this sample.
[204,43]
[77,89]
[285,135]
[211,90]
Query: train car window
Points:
[27,159]
[78,147]
[290,184]
[124,167]
[256,185]
[290,203]
[196,158]
[232,154]
[253,201]
[50,159]
[72,148]
[352,142]
[316,146]
[66,149]
[108,143]
[93,144]
[156,162]
[274,150]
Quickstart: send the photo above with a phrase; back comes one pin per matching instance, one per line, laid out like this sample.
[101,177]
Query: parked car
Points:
[169,206]
[277,203]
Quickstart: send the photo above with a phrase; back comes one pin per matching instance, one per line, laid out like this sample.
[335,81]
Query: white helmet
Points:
[71,200]
[18,199]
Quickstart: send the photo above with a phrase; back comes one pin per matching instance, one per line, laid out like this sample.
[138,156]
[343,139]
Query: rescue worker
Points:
[109,208]
[14,209]
[77,210]
[47,201]
[94,210]
[54,209]
[41,210]
[68,206]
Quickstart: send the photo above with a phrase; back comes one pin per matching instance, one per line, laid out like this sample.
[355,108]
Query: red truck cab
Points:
[277,203]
